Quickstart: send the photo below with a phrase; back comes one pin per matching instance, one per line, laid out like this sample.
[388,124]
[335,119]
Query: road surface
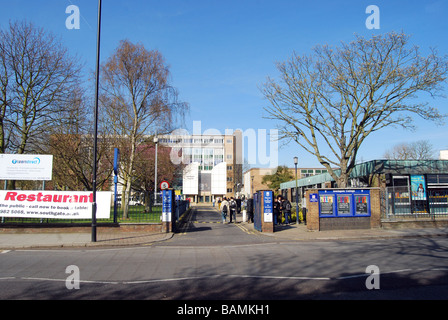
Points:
[209,260]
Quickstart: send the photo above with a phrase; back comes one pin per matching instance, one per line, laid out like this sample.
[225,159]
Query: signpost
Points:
[168,207]
[116,166]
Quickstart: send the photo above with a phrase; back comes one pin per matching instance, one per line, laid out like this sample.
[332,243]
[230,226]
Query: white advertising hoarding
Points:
[26,167]
[219,179]
[54,204]
[191,179]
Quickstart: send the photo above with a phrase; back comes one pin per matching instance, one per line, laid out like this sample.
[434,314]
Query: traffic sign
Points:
[164,185]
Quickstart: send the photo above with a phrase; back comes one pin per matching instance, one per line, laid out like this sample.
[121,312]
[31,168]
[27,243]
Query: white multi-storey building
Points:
[213,164]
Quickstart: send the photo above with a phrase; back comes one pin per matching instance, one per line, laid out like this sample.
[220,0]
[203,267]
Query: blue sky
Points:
[220,52]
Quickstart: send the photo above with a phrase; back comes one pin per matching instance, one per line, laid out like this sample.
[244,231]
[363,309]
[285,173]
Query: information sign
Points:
[314,197]
[268,206]
[26,167]
[167,200]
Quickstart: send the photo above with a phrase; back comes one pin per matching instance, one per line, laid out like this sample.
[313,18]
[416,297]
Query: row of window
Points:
[172,140]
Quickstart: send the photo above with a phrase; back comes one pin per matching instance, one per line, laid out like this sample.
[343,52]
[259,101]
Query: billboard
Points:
[26,167]
[54,204]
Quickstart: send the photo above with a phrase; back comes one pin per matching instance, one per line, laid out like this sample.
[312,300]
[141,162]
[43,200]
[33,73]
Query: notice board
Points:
[344,203]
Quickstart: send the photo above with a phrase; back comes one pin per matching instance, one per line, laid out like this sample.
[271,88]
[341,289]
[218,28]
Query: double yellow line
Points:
[244,229]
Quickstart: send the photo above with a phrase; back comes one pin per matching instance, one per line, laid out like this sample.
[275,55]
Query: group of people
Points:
[282,207]
[228,207]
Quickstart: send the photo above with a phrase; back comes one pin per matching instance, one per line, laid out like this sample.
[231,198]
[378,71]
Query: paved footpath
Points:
[11,241]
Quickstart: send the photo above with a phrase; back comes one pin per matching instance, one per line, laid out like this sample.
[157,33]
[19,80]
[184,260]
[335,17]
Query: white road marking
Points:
[133,282]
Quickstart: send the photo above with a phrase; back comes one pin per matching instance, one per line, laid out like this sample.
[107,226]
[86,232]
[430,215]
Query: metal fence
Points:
[399,203]
[140,210]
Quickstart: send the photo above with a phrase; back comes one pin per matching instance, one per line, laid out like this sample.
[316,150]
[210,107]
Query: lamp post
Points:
[296,161]
[252,185]
[95,141]
[156,141]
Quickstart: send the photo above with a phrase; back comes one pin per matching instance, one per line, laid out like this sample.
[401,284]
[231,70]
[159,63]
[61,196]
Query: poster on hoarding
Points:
[418,188]
[326,205]
[361,203]
[344,205]
[54,204]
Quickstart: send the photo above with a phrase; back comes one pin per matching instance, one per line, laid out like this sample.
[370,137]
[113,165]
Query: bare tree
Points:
[71,144]
[419,150]
[143,180]
[331,101]
[5,103]
[139,99]
[37,76]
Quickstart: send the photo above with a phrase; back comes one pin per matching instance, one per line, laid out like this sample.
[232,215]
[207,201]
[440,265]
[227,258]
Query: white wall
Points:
[443,155]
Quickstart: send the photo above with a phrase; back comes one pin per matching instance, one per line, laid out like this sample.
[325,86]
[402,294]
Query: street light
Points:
[296,161]
[95,141]
[252,185]
[156,140]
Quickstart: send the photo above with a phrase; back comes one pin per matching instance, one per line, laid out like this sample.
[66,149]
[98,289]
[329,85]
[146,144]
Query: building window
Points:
[229,168]
[229,190]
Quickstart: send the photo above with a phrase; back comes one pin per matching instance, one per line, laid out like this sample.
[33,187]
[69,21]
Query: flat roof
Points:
[377,167]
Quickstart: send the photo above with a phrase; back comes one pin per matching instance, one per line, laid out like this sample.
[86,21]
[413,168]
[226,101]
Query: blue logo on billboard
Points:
[35,161]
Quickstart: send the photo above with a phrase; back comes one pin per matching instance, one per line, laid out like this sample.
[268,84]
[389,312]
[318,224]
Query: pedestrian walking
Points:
[286,206]
[250,209]
[233,207]
[224,209]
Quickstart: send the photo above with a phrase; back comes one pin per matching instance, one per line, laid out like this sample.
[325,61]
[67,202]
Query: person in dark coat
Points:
[250,209]
[277,210]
